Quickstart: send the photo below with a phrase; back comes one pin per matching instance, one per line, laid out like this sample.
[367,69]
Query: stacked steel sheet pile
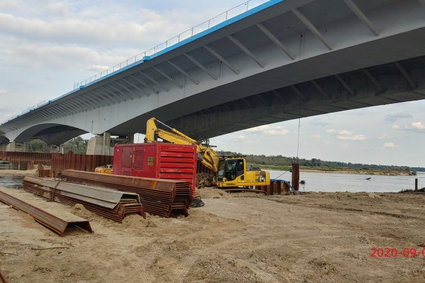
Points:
[159,197]
[105,202]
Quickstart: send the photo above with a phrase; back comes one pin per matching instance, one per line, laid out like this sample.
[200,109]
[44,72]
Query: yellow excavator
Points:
[229,171]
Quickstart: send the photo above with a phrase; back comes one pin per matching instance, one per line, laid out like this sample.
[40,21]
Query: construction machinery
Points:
[106,169]
[229,171]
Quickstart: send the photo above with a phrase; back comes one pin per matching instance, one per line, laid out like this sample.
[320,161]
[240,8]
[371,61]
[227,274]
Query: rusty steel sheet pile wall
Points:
[158,196]
[2,277]
[275,188]
[26,156]
[111,204]
[53,222]
[25,160]
[81,162]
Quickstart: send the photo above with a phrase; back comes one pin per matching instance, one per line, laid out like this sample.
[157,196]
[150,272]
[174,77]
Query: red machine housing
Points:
[157,160]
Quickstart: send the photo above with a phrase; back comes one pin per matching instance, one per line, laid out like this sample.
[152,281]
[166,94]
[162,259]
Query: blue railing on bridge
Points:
[174,42]
[152,52]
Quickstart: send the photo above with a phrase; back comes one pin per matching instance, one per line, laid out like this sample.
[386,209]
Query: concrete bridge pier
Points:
[55,149]
[100,145]
[17,147]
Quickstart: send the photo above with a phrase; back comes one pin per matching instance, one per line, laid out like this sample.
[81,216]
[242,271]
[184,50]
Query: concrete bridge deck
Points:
[279,61]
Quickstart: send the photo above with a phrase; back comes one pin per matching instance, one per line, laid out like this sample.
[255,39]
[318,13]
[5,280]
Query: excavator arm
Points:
[209,157]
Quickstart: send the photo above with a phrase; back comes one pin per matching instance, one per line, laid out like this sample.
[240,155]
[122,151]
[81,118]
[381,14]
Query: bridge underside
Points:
[291,59]
[379,85]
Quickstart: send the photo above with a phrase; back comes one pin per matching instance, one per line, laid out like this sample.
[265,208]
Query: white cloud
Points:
[414,126]
[395,117]
[3,91]
[271,130]
[417,125]
[346,135]
[383,137]
[351,137]
[316,136]
[389,144]
[241,137]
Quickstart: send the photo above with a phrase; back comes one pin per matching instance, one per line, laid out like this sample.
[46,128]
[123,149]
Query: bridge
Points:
[277,61]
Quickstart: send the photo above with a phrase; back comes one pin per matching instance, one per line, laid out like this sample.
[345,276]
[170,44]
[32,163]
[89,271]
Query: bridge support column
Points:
[55,149]
[100,145]
[16,147]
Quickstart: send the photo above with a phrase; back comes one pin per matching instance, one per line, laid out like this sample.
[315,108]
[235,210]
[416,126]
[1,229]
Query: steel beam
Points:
[319,89]
[374,81]
[279,97]
[153,81]
[202,67]
[145,84]
[111,94]
[345,85]
[362,17]
[120,84]
[406,75]
[107,101]
[123,95]
[186,74]
[221,59]
[53,222]
[276,41]
[298,92]
[246,50]
[167,77]
[133,85]
[311,27]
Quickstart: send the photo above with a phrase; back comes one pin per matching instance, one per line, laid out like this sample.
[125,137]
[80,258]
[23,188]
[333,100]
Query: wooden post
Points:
[296,176]
[416,184]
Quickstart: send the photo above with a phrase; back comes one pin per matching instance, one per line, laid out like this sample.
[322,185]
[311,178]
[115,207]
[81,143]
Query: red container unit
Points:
[157,160]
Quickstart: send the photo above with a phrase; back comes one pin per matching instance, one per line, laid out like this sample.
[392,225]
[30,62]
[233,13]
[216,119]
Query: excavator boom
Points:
[230,172]
[209,157]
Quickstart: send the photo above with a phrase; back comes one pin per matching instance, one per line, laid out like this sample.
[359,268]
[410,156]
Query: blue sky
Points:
[46,46]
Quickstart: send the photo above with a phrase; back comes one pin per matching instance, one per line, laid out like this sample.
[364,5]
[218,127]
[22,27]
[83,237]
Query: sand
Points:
[31,172]
[315,237]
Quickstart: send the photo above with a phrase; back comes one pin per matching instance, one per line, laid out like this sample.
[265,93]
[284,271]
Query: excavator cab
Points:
[232,172]
[230,169]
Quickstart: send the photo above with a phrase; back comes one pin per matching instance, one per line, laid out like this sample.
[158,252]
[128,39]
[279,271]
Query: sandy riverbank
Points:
[316,237]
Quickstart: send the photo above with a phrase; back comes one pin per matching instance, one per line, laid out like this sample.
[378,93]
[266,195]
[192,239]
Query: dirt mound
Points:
[83,212]
[212,193]
[136,220]
[204,180]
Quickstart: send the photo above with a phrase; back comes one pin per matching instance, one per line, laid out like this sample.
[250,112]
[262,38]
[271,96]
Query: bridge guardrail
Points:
[152,52]
[231,13]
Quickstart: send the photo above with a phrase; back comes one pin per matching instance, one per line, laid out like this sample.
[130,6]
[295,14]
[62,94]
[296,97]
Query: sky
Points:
[46,46]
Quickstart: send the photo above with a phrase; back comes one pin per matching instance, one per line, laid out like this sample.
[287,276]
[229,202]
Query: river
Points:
[329,182]
[317,182]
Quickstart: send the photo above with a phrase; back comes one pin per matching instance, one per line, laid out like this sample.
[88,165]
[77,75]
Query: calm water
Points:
[11,181]
[325,182]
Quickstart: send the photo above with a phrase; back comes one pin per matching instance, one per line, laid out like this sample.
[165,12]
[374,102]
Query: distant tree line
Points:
[283,161]
[76,145]
[79,146]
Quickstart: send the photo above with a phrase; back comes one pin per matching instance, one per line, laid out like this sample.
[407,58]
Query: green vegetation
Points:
[38,146]
[279,162]
[76,145]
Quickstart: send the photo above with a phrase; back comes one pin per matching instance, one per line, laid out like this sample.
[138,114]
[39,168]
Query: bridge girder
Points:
[298,57]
